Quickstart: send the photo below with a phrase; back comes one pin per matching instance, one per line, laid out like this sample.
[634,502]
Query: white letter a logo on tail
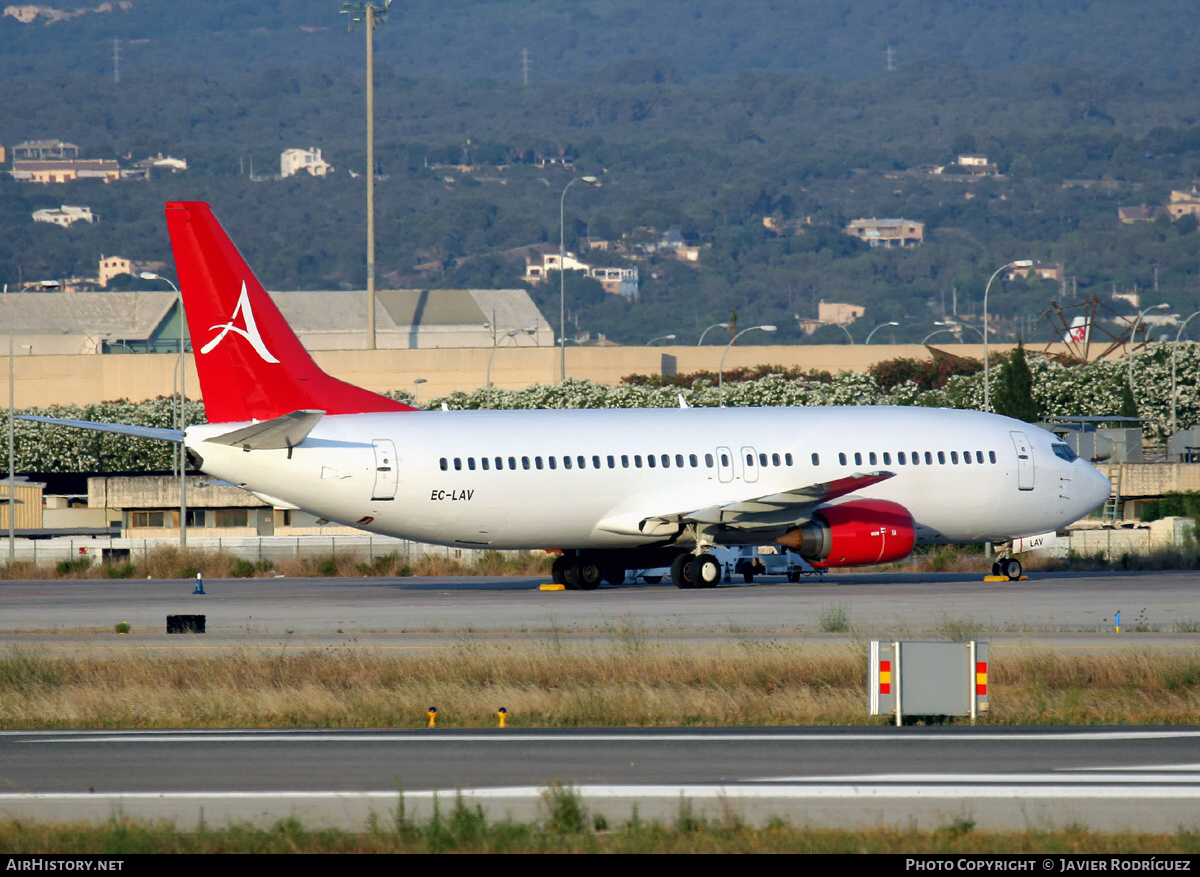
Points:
[250,333]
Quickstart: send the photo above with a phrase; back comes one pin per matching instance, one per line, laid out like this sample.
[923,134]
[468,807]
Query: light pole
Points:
[721,371]
[416,391]
[877,328]
[660,338]
[935,332]
[710,328]
[957,328]
[847,331]
[150,275]
[562,273]
[528,330]
[1173,387]
[370,14]
[987,386]
[1133,340]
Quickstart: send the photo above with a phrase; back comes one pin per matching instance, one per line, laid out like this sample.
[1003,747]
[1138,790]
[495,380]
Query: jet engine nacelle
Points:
[854,533]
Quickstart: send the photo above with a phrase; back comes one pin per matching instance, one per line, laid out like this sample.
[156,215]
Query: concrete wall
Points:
[62,380]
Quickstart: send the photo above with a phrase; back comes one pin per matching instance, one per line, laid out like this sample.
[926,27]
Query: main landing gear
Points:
[581,573]
[1009,568]
[695,571]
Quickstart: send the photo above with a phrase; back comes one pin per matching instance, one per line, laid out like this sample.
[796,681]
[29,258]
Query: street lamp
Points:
[1133,339]
[847,331]
[957,328]
[369,14]
[987,386]
[877,328]
[721,371]
[150,275]
[710,328]
[1173,388]
[660,338]
[935,332]
[416,391]
[562,274]
[528,330]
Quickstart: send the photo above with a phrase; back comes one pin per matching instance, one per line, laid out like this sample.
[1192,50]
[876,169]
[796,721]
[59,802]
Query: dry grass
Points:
[462,829]
[170,562]
[548,685]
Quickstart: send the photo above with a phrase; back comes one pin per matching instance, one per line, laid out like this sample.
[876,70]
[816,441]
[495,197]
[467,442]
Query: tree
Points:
[1014,389]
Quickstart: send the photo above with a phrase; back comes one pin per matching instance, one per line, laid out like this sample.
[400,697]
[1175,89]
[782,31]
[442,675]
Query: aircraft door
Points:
[750,467]
[1025,466]
[724,465]
[386,472]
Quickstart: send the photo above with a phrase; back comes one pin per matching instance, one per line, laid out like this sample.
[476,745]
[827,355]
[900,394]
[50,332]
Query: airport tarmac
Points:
[1157,609]
[1107,779]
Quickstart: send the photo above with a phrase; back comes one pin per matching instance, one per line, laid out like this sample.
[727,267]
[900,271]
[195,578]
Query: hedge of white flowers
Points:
[1094,388]
[1061,390]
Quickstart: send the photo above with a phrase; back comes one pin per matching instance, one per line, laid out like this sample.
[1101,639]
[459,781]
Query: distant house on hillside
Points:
[616,281]
[45,150]
[292,161]
[65,215]
[66,170]
[887,232]
[839,313]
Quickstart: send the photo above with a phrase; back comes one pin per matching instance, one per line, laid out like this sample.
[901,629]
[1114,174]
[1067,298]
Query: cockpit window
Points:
[1063,451]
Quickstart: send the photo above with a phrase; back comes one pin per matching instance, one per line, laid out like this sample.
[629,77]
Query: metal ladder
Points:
[1112,505]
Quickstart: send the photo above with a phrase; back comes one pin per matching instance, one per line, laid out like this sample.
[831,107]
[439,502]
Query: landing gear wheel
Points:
[558,570]
[705,572]
[1011,567]
[793,576]
[614,576]
[679,571]
[748,576]
[586,576]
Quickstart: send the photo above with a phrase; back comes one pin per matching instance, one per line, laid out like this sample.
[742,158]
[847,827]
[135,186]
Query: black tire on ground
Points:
[1011,568]
[652,580]
[793,576]
[558,569]
[587,576]
[614,576]
[747,576]
[705,571]
[679,571]
[996,569]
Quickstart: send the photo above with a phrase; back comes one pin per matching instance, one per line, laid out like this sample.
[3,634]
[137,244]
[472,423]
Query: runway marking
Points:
[666,792]
[349,736]
[1060,778]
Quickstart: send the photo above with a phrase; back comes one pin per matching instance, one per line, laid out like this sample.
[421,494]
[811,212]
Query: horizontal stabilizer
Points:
[146,432]
[274,434]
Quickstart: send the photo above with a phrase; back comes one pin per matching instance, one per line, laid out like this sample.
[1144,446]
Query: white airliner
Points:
[612,489]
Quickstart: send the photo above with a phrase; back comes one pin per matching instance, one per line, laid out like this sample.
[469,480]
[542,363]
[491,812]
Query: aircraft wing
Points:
[147,432]
[756,513]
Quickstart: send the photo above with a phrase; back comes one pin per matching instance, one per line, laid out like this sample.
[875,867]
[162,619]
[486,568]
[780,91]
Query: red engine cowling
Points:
[854,533]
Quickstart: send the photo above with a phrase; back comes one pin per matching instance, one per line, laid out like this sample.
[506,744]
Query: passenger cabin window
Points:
[458,464]
[774,460]
[992,456]
[624,461]
[708,460]
[693,461]
[787,458]
[842,459]
[954,457]
[553,462]
[942,457]
[471,463]
[566,462]
[900,458]
[857,459]
[887,458]
[524,462]
[679,461]
[816,459]
[443,464]
[872,458]
[928,458]
[537,462]
[484,461]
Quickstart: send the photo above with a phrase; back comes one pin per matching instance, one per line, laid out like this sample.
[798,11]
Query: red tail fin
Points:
[251,364]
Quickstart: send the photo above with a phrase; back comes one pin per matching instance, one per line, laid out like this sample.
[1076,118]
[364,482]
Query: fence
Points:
[254,548]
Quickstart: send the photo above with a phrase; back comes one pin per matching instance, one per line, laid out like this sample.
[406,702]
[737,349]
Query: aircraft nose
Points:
[1099,488]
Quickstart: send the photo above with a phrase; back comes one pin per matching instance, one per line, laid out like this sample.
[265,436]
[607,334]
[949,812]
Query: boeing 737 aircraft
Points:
[612,489]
